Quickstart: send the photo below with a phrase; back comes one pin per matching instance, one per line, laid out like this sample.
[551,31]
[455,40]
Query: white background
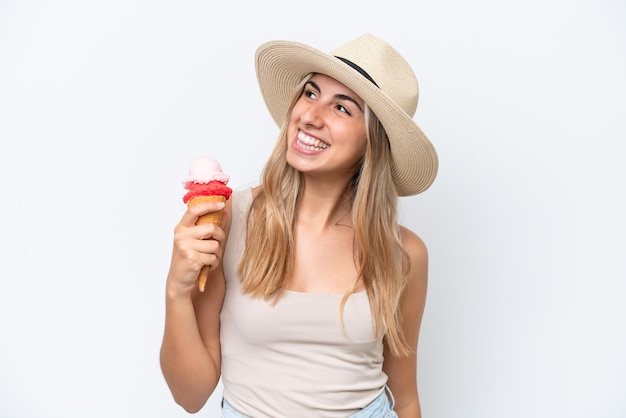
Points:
[104,104]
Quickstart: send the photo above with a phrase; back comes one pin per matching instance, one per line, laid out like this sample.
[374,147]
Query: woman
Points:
[313,308]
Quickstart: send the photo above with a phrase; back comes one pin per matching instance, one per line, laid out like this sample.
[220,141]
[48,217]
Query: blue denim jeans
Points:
[380,407]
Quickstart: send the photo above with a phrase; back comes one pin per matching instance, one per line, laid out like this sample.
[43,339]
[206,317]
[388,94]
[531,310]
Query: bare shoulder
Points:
[414,245]
[418,259]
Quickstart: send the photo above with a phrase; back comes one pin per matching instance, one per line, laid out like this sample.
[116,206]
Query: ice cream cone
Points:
[206,182]
[212,217]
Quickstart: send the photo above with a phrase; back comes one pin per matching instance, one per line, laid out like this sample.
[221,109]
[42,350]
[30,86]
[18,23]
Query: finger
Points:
[209,246]
[211,261]
[191,215]
[210,231]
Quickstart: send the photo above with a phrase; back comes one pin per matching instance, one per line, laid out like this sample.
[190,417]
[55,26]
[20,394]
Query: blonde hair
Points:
[382,264]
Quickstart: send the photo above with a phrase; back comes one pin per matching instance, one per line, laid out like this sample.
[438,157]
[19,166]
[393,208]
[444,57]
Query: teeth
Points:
[311,144]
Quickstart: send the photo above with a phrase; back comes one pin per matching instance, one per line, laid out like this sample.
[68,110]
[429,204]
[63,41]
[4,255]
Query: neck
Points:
[323,205]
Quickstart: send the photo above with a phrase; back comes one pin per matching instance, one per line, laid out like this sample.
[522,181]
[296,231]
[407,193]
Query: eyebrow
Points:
[336,96]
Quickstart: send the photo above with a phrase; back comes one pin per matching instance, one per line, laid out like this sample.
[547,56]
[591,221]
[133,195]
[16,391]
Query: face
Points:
[326,131]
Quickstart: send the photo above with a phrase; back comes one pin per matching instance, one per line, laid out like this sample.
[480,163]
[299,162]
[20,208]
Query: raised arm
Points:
[190,351]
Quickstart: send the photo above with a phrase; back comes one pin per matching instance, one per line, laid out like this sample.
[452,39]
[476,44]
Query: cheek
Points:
[292,123]
[356,151]
[297,110]
[360,144]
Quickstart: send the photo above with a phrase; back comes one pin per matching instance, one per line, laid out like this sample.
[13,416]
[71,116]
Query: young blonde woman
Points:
[316,293]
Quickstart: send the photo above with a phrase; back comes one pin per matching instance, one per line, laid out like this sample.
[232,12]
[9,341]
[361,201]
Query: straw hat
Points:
[375,71]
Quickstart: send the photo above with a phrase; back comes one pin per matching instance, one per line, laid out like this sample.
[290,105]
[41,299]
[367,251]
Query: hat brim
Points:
[281,65]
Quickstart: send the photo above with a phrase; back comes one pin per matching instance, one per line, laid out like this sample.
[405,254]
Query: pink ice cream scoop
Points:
[203,170]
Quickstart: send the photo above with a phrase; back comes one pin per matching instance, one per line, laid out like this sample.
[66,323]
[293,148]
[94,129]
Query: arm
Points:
[190,351]
[402,371]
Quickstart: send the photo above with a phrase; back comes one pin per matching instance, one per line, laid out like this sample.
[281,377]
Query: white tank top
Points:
[292,359]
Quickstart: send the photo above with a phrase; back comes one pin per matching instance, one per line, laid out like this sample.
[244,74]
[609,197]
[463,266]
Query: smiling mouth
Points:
[309,143]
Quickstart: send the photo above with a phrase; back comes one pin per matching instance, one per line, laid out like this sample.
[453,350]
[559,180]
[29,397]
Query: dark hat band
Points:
[359,69]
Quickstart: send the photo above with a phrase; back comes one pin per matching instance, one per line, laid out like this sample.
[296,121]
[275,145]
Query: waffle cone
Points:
[212,217]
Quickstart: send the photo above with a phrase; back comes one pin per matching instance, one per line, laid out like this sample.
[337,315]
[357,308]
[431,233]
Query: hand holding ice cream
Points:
[206,183]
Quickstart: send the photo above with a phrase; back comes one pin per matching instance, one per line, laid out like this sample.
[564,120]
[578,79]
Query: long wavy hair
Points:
[382,263]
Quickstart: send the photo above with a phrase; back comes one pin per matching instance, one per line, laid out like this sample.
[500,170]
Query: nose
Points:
[312,115]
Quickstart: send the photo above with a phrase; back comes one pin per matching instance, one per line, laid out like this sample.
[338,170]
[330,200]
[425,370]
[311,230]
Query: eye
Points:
[309,93]
[343,109]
